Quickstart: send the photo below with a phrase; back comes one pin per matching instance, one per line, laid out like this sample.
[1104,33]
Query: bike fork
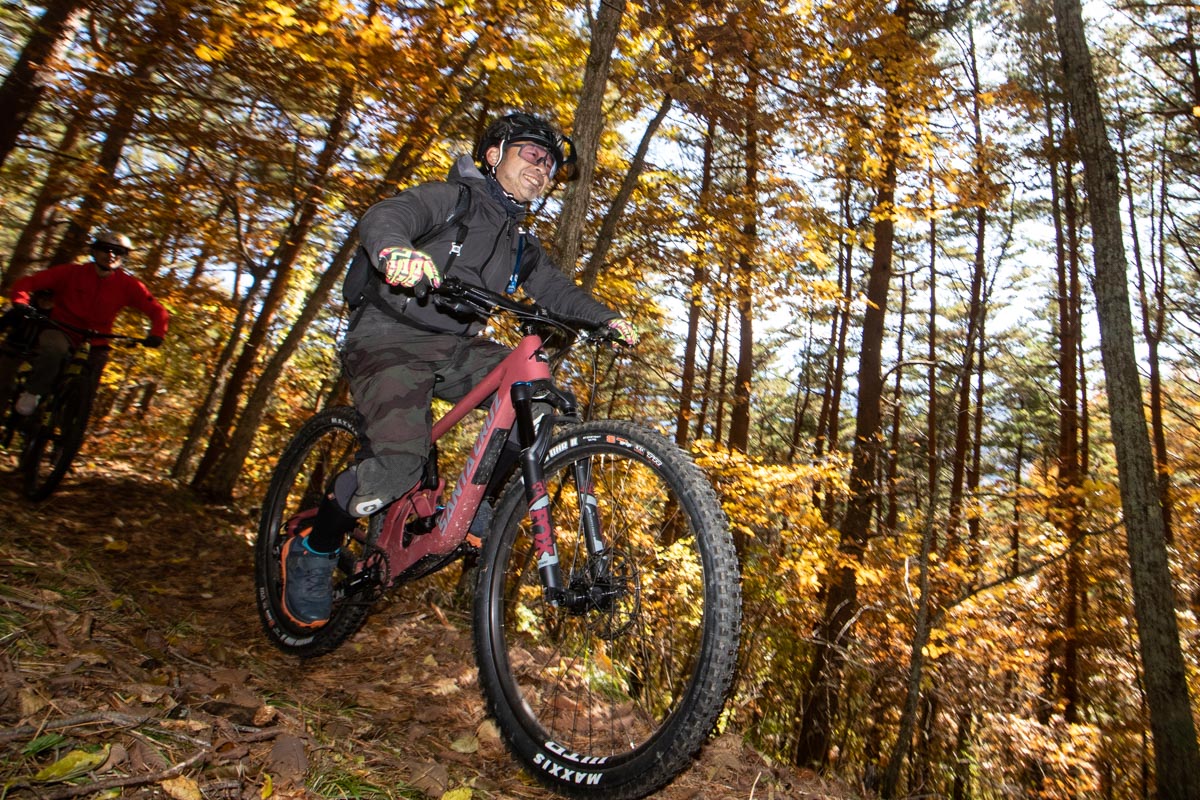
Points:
[533,448]
[534,444]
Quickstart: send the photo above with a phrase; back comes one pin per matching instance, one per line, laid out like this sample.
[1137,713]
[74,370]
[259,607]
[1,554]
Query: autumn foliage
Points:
[853,235]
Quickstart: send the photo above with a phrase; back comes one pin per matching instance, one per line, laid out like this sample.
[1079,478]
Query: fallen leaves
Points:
[72,765]
[186,696]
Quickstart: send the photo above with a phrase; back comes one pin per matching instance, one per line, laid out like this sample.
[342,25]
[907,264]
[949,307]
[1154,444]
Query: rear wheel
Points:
[318,453]
[55,439]
[612,692]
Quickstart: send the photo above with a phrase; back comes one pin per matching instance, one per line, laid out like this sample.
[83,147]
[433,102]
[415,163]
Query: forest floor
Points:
[130,644]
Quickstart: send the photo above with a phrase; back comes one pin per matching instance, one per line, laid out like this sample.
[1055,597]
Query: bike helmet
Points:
[112,239]
[521,127]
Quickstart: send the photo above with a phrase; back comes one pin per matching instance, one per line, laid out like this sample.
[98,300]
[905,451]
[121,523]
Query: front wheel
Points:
[322,448]
[52,443]
[614,695]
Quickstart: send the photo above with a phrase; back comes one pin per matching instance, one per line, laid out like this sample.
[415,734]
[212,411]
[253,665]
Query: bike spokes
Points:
[318,453]
[616,677]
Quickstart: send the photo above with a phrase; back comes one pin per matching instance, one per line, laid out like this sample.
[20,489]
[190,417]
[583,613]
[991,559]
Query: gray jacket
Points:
[488,255]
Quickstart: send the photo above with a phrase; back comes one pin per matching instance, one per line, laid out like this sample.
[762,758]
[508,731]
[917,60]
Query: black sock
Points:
[330,527]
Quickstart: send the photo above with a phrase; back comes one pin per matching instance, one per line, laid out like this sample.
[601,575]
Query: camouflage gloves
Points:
[404,267]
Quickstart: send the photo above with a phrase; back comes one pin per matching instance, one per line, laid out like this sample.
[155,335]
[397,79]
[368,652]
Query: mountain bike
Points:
[607,604]
[53,434]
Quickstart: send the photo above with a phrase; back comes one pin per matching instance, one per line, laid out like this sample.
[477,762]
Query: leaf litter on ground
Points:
[131,658]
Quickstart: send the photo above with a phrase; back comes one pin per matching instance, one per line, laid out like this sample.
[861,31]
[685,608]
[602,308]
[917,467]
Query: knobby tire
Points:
[615,701]
[322,448]
[52,445]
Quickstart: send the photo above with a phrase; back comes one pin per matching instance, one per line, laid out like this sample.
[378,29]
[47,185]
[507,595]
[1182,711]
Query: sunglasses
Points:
[119,252]
[537,155]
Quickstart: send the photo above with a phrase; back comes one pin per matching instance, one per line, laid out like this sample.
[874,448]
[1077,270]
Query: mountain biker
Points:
[87,295]
[401,352]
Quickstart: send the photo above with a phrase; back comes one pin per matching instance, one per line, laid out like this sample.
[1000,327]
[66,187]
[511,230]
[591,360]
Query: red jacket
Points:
[84,299]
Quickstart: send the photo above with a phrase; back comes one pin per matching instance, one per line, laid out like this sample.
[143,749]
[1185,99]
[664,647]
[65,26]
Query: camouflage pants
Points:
[395,372]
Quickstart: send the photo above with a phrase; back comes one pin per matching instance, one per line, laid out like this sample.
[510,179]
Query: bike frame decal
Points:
[543,537]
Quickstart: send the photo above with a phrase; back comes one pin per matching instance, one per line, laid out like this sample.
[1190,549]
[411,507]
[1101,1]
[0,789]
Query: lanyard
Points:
[516,270]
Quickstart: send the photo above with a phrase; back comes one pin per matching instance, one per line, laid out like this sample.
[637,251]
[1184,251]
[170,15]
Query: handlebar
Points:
[456,296]
[35,314]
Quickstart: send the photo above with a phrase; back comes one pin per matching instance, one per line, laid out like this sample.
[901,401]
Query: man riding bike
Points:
[401,352]
[89,295]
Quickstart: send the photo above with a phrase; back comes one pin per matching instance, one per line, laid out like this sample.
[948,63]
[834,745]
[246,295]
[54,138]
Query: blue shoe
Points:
[307,578]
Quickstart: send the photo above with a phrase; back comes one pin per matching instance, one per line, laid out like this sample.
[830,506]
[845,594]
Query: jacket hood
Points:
[464,169]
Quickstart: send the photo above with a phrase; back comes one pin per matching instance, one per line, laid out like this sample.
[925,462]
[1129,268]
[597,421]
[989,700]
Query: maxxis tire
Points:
[295,485]
[605,665]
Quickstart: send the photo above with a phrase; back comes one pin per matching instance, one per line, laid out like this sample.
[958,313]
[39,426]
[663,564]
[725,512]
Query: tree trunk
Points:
[1069,494]
[722,375]
[1152,302]
[586,130]
[1177,758]
[739,417]
[710,366]
[922,627]
[892,480]
[687,382]
[26,81]
[226,473]
[608,228]
[217,474]
[220,372]
[840,584]
[36,229]
[132,98]
[962,475]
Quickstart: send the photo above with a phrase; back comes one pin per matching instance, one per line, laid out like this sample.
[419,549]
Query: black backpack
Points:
[362,282]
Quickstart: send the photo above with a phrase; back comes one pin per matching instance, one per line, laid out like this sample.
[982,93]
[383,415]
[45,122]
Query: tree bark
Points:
[699,282]
[586,130]
[132,98]
[1176,755]
[25,83]
[820,705]
[739,417]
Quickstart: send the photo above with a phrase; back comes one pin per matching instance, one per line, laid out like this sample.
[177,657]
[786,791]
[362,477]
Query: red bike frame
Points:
[512,382]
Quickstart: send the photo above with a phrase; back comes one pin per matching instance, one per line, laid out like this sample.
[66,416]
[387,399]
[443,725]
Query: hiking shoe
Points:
[27,403]
[307,576]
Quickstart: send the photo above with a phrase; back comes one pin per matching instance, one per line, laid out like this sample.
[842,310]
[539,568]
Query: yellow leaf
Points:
[466,744]
[461,793]
[182,788]
[206,53]
[72,765]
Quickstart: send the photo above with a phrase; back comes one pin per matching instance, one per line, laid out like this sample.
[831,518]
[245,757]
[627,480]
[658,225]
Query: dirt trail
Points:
[127,622]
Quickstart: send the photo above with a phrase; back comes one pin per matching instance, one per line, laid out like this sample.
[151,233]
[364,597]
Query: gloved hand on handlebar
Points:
[402,266]
[624,331]
[152,341]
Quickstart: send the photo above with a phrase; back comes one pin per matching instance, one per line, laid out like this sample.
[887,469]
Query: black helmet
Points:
[520,127]
[112,239]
